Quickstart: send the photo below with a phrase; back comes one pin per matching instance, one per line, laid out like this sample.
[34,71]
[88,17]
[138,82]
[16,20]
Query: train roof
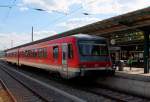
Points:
[87,36]
[78,36]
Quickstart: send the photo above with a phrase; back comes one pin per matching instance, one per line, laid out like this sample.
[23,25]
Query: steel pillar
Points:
[146,51]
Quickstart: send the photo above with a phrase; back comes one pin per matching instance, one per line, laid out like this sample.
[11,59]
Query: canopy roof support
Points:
[146,51]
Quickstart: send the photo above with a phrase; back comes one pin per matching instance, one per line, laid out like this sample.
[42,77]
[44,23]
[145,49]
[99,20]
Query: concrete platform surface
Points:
[134,81]
[134,70]
[134,73]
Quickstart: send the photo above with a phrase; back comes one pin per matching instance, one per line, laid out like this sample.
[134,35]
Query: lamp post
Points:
[32,34]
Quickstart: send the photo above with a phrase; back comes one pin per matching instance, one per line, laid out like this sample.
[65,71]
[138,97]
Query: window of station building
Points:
[55,52]
[70,51]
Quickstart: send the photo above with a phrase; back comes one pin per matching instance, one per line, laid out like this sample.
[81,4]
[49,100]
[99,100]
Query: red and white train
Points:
[71,56]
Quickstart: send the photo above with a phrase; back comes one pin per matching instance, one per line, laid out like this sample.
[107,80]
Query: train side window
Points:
[34,53]
[15,54]
[23,53]
[70,51]
[39,52]
[26,53]
[55,52]
[29,53]
[44,52]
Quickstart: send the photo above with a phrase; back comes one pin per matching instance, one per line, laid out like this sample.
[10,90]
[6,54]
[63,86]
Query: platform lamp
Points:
[113,41]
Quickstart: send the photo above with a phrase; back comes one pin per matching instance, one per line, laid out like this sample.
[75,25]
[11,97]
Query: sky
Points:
[50,17]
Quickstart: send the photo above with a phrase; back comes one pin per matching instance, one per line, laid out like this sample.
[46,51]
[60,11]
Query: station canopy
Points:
[133,21]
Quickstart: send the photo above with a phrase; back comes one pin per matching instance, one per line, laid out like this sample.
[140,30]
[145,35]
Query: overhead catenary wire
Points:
[8,13]
[7,6]
[67,15]
[53,21]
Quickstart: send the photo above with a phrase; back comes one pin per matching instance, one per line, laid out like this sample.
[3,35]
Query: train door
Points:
[64,60]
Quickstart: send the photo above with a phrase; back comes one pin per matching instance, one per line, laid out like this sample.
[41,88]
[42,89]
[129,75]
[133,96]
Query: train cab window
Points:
[70,51]
[55,52]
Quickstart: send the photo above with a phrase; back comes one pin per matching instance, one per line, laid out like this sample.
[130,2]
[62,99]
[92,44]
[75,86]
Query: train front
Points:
[94,58]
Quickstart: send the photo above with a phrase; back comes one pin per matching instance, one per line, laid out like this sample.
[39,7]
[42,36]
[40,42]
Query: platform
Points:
[131,81]
[134,73]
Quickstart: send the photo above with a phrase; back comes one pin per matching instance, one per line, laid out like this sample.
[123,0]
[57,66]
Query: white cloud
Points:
[48,5]
[23,8]
[19,39]
[114,6]
[43,34]
[91,6]
[77,22]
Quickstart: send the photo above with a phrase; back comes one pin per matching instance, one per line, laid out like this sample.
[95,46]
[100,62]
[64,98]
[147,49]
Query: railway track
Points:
[20,93]
[117,96]
[5,94]
[27,89]
[113,95]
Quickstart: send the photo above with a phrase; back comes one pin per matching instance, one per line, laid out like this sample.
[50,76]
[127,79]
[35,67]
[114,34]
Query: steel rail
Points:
[63,93]
[8,91]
